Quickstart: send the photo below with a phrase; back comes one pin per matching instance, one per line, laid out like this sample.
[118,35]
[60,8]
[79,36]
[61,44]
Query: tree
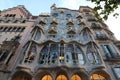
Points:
[105,7]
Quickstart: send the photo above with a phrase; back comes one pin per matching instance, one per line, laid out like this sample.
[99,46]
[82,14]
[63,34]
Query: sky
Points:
[40,6]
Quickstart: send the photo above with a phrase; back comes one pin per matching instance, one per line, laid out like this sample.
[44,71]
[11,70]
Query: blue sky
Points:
[38,6]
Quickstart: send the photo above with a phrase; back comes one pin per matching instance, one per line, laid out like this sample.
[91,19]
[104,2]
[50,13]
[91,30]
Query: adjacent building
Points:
[64,44]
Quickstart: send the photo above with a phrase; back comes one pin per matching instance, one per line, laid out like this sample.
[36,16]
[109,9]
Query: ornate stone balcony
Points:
[54,21]
[95,26]
[101,36]
[52,30]
[71,30]
[70,21]
[81,23]
[42,21]
[91,18]
[79,16]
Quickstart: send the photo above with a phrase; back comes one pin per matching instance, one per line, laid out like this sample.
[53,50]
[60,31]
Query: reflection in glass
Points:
[92,54]
[58,53]
[43,55]
[38,35]
[53,56]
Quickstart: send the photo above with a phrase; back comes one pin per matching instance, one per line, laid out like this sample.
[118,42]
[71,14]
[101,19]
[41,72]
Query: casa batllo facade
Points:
[62,45]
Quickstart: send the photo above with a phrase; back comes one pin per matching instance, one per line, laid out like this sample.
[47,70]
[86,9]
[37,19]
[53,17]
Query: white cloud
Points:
[114,24]
[74,4]
[70,3]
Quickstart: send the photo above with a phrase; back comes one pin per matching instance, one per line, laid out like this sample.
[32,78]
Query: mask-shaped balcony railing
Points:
[71,30]
[52,30]
[54,21]
[70,22]
[81,23]
[71,33]
[79,17]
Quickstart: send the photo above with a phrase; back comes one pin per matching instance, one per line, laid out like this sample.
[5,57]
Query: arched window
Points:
[61,55]
[21,76]
[3,55]
[70,56]
[61,77]
[79,55]
[46,77]
[86,36]
[75,77]
[31,54]
[97,77]
[53,54]
[38,35]
[43,55]
[92,54]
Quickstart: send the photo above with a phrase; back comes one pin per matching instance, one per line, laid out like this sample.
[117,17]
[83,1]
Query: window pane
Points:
[47,77]
[61,77]
[69,51]
[90,57]
[75,77]
[44,54]
[38,35]
[117,71]
[85,36]
[97,77]
[108,51]
[79,55]
[92,53]
[53,56]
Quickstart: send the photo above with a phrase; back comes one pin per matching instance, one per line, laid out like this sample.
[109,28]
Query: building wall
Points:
[12,27]
[65,44]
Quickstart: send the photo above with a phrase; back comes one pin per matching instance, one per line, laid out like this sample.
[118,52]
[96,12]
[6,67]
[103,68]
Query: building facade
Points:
[62,45]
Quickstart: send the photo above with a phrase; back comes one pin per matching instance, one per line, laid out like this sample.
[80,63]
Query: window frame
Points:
[94,53]
[116,73]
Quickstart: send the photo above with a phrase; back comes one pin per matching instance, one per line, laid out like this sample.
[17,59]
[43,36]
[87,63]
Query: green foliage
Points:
[104,8]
